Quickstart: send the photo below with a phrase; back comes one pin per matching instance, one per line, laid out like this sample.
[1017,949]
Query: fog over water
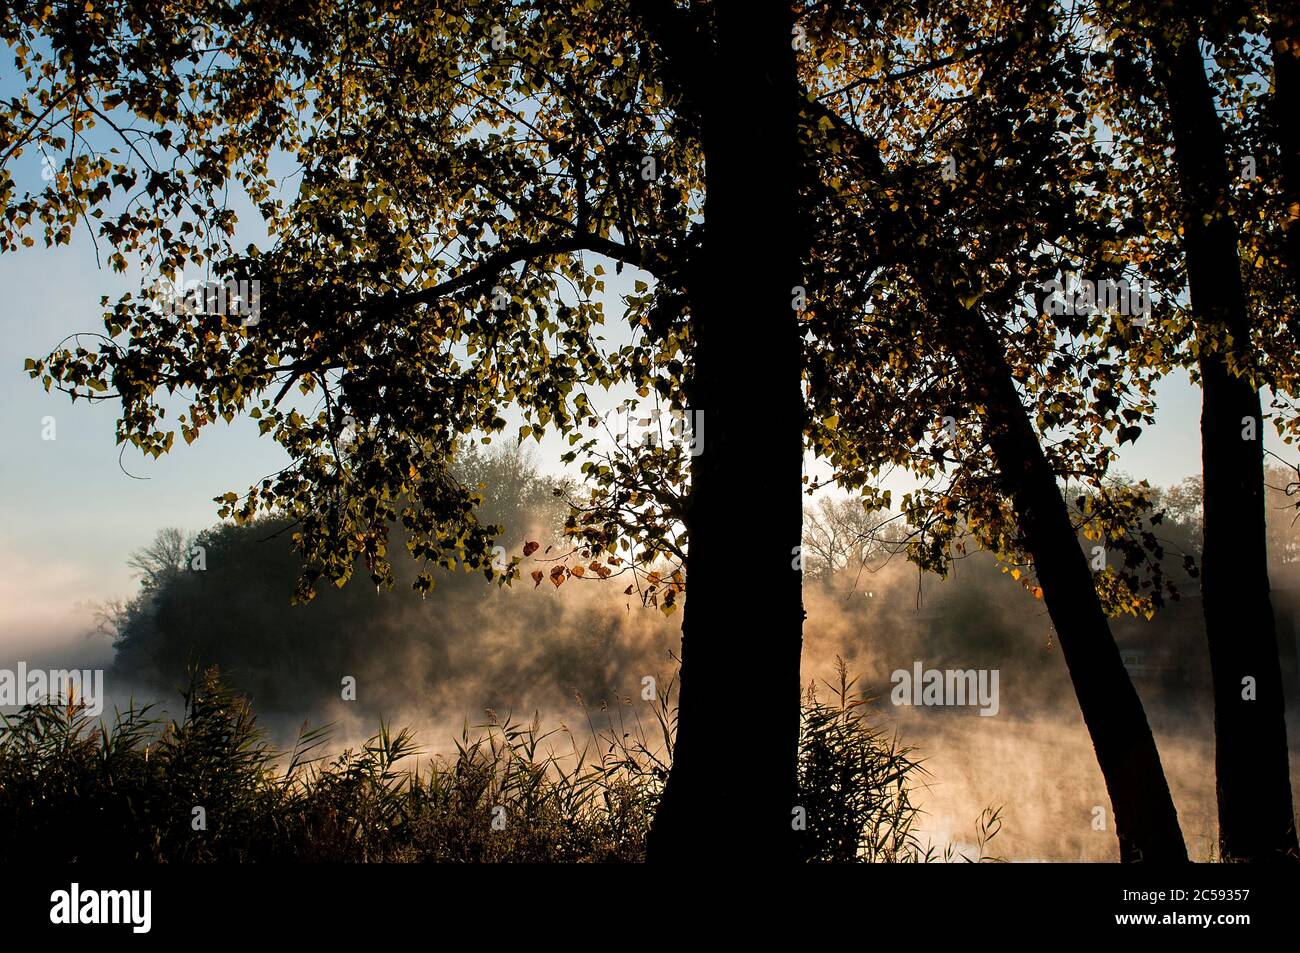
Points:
[579,654]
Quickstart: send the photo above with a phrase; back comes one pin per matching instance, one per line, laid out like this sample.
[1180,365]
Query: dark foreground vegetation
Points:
[75,790]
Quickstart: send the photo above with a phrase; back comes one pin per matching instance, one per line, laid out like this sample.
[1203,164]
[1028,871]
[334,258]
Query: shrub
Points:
[71,790]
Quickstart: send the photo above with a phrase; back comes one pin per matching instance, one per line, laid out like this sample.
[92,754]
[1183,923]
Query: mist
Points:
[569,655]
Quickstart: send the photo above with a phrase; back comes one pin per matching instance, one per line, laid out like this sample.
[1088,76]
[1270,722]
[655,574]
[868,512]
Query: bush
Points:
[71,790]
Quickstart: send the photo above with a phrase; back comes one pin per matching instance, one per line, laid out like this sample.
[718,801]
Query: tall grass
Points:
[209,786]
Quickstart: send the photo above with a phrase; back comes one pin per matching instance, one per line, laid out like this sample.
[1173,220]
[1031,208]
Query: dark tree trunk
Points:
[1256,821]
[732,788]
[1146,821]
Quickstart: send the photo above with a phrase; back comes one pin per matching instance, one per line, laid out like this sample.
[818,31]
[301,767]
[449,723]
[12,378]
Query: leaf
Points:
[537,578]
[531,547]
[558,575]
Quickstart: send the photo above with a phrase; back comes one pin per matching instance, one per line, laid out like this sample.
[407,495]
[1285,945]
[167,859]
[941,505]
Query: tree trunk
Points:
[732,788]
[1146,821]
[1256,821]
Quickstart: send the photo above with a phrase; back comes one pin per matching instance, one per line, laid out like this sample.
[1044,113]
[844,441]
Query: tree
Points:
[457,164]
[1284,40]
[1160,66]
[936,340]
[169,553]
[841,534]
[738,80]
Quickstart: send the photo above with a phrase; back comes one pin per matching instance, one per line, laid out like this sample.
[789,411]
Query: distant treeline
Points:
[471,645]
